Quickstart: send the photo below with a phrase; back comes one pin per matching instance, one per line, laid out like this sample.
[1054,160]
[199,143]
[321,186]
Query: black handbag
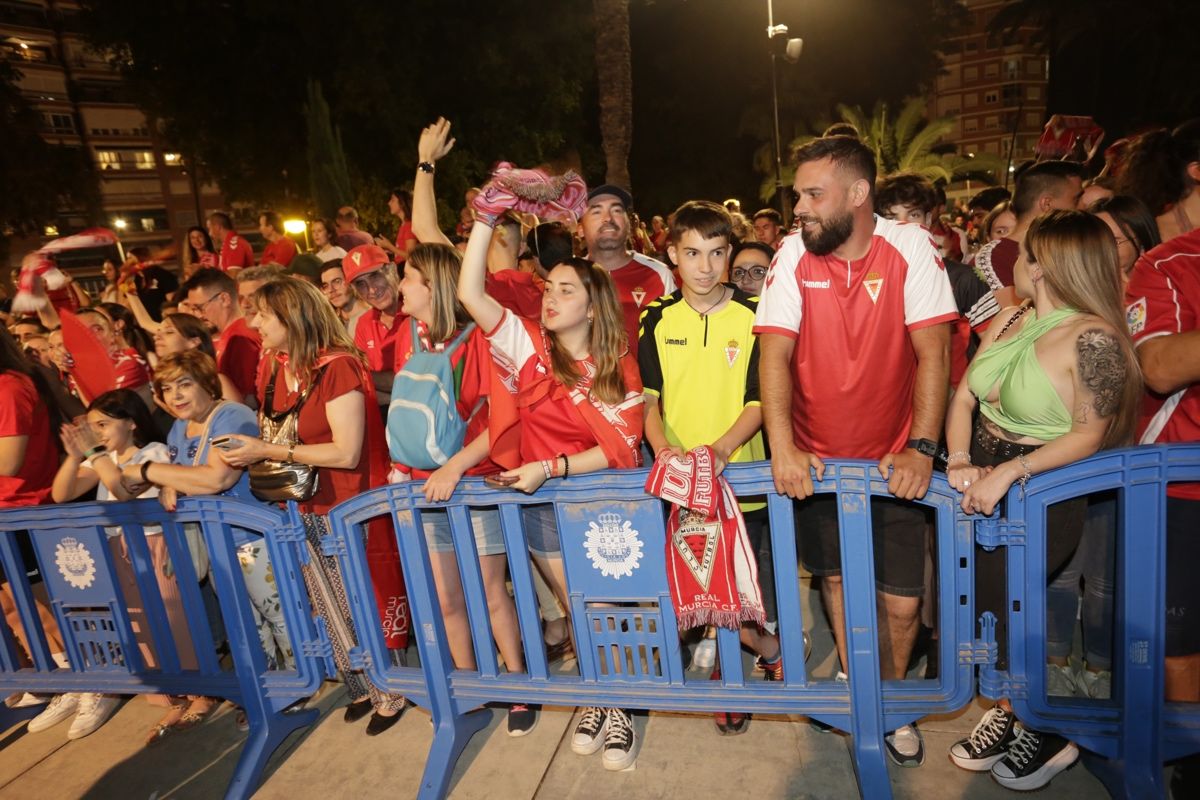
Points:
[280,481]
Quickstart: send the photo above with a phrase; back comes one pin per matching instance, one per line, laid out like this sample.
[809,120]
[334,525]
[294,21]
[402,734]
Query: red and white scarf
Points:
[710,565]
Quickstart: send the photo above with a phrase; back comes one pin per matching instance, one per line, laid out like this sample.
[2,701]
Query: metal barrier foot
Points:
[450,736]
[264,739]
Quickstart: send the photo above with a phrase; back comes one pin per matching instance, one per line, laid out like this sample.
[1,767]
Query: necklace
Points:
[717,302]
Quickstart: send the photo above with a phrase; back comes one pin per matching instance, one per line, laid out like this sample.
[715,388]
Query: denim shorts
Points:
[541,531]
[485,522]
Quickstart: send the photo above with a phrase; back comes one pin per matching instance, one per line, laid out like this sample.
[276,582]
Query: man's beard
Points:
[834,232]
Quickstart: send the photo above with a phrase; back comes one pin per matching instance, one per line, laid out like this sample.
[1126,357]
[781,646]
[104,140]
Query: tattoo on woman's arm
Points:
[1102,370]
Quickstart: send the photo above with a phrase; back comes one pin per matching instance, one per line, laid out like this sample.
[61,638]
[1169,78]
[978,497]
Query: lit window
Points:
[143,159]
[108,159]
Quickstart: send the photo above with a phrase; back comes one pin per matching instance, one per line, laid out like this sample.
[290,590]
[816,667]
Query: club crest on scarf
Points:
[696,541]
[614,548]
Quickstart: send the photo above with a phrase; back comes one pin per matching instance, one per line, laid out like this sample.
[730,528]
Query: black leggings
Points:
[1064,528]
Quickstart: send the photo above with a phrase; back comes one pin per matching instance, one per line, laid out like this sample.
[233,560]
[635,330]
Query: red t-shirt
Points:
[236,252]
[854,366]
[1163,298]
[281,251]
[473,362]
[519,292]
[639,283]
[550,424]
[405,238]
[132,370]
[22,414]
[377,341]
[239,348]
[340,376]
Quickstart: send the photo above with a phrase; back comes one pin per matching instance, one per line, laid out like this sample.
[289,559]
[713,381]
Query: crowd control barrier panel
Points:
[1135,731]
[119,634]
[626,635]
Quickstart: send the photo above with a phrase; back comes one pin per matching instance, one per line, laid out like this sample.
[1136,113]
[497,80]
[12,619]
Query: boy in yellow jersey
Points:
[699,364]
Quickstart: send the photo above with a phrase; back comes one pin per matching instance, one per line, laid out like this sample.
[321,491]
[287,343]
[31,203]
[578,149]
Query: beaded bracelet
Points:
[566,465]
[546,469]
[1024,479]
[959,455]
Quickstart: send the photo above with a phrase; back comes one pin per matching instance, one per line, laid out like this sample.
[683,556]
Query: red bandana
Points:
[710,564]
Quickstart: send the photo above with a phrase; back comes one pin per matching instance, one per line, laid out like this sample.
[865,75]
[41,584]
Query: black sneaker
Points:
[905,746]
[1033,760]
[589,732]
[988,742]
[522,719]
[619,741]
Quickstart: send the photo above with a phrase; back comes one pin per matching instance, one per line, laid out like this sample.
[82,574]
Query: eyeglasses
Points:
[755,273]
[199,307]
[1120,240]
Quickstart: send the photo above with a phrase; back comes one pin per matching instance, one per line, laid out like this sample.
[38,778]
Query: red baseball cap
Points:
[363,260]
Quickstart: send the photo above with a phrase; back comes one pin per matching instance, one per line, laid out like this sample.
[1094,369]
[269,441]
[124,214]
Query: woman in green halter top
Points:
[1054,380]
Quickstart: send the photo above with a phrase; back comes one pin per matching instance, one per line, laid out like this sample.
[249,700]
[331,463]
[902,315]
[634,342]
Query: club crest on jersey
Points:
[732,351]
[1135,316]
[638,294]
[873,283]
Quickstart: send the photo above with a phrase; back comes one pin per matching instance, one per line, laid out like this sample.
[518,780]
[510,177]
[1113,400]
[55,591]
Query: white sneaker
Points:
[706,654]
[61,707]
[1060,681]
[94,711]
[620,741]
[26,700]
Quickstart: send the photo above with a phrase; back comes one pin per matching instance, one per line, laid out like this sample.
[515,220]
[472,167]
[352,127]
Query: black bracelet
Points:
[145,467]
[96,450]
[566,465]
[426,167]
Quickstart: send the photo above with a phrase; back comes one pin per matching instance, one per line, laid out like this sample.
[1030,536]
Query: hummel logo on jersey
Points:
[815,284]
[677,341]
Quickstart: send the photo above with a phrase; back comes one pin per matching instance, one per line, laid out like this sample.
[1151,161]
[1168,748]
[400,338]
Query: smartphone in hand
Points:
[500,481]
[226,443]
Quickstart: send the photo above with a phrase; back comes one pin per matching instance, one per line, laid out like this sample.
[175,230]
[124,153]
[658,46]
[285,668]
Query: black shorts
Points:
[898,528]
[1183,590]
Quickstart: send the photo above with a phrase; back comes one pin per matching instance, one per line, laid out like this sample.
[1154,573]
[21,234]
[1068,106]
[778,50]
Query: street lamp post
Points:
[791,51]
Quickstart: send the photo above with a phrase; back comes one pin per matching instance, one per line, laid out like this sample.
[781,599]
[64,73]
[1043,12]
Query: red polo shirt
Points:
[281,251]
[376,340]
[238,349]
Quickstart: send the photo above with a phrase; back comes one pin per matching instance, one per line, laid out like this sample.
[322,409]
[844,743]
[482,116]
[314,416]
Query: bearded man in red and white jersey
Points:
[854,337]
[640,280]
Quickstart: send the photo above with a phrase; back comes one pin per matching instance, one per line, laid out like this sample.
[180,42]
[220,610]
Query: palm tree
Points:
[615,81]
[907,143]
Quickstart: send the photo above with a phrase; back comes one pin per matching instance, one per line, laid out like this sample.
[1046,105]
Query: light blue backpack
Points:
[424,428]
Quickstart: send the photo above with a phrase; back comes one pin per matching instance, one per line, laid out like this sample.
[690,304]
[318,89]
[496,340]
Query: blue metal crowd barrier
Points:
[82,579]
[613,538]
[1135,731]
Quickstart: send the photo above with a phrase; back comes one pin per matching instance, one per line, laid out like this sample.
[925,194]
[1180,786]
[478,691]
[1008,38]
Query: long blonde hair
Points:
[439,265]
[313,327]
[608,340]
[1079,262]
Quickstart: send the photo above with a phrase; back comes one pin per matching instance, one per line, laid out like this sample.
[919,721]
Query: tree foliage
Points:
[327,171]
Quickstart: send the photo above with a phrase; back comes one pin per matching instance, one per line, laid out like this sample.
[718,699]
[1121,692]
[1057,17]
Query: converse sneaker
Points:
[619,741]
[522,719]
[1033,760]
[905,746]
[589,732]
[988,742]
[1060,681]
[94,711]
[772,670]
[1096,685]
[61,707]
